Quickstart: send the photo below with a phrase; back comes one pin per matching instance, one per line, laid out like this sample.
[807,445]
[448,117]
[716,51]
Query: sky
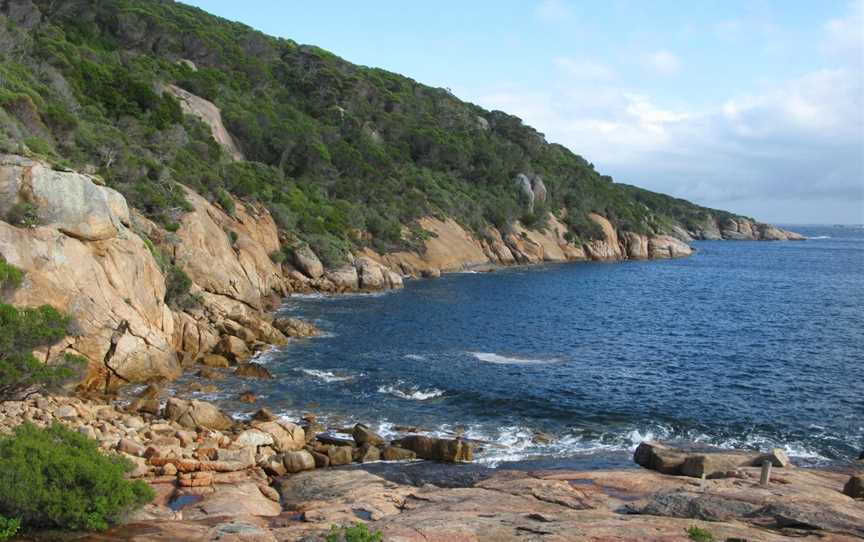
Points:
[754,106]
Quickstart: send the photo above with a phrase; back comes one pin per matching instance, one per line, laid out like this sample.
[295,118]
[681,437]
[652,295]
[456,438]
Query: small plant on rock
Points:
[8,528]
[699,534]
[358,533]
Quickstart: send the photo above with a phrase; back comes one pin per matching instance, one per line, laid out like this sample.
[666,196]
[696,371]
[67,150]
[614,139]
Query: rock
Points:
[656,456]
[436,448]
[344,278]
[234,349]
[855,487]
[273,465]
[363,435]
[203,388]
[66,412]
[244,456]
[665,246]
[148,406]
[294,327]
[194,414]
[340,455]
[776,456]
[130,447]
[321,461]
[264,415]
[195,479]
[269,492]
[714,465]
[523,184]
[431,273]
[253,370]
[298,461]
[368,453]
[395,453]
[685,504]
[209,114]
[210,373]
[307,262]
[370,274]
[248,397]
[169,469]
[254,438]
[538,188]
[286,436]
[214,360]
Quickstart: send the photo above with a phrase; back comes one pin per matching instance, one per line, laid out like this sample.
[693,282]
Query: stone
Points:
[169,469]
[214,360]
[395,453]
[269,492]
[298,461]
[322,461]
[436,448]
[130,447]
[264,414]
[340,455]
[248,397]
[286,435]
[295,328]
[234,349]
[194,414]
[855,487]
[210,373]
[307,262]
[253,370]
[195,479]
[243,456]
[253,437]
[714,465]
[656,456]
[776,456]
[666,246]
[66,412]
[200,387]
[368,453]
[273,465]
[363,435]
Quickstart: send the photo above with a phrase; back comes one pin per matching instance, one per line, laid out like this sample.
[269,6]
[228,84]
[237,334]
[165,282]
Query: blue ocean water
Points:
[745,344]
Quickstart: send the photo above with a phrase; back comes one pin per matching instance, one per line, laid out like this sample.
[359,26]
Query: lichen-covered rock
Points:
[307,262]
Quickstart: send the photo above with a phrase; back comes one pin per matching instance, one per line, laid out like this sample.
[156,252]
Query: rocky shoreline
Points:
[271,479]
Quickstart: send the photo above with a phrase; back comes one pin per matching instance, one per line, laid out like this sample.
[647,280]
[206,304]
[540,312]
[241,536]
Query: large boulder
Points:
[363,435]
[437,449]
[253,370]
[855,487]
[195,414]
[294,327]
[298,461]
[307,262]
[658,457]
[70,202]
[286,436]
[344,278]
[209,115]
[523,184]
[666,246]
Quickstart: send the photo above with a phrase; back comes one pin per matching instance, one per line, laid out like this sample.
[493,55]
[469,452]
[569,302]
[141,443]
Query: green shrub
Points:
[58,478]
[278,256]
[8,527]
[39,146]
[177,284]
[358,533]
[9,275]
[226,202]
[23,215]
[698,534]
[21,331]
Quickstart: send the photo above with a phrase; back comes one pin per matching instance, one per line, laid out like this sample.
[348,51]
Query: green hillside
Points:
[332,148]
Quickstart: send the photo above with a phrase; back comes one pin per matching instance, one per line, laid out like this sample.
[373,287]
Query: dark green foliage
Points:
[57,478]
[278,256]
[8,527]
[359,532]
[332,148]
[21,331]
[699,534]
[177,284]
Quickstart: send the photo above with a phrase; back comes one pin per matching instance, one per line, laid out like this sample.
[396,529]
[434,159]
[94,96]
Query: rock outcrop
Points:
[210,115]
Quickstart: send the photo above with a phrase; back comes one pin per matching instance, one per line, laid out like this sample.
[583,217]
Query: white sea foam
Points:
[491,357]
[326,376]
[412,393]
[415,357]
[820,237]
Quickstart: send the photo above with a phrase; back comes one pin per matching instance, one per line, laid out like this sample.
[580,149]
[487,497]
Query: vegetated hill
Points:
[342,155]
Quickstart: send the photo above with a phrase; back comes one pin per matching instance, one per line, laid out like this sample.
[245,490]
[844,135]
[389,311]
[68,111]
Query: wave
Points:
[326,376]
[820,237]
[491,357]
[415,357]
[413,393]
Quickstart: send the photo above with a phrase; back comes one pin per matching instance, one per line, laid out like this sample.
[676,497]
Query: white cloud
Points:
[846,35]
[553,10]
[663,61]
[584,68]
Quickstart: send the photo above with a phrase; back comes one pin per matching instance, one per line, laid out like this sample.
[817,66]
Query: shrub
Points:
[278,256]
[22,330]
[39,146]
[57,478]
[8,527]
[358,533]
[177,284]
[699,534]
[226,202]
[9,275]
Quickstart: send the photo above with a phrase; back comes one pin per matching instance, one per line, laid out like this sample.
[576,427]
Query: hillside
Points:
[343,156]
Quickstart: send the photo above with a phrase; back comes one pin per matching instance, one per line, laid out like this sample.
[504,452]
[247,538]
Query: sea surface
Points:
[744,344]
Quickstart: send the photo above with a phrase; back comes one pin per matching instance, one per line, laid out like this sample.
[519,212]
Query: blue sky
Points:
[756,107]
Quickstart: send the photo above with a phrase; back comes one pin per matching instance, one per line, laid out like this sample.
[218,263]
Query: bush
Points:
[358,533]
[699,534]
[9,275]
[22,330]
[278,256]
[8,528]
[177,284]
[57,478]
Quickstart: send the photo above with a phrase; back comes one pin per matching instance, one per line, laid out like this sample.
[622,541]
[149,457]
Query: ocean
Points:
[743,345]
